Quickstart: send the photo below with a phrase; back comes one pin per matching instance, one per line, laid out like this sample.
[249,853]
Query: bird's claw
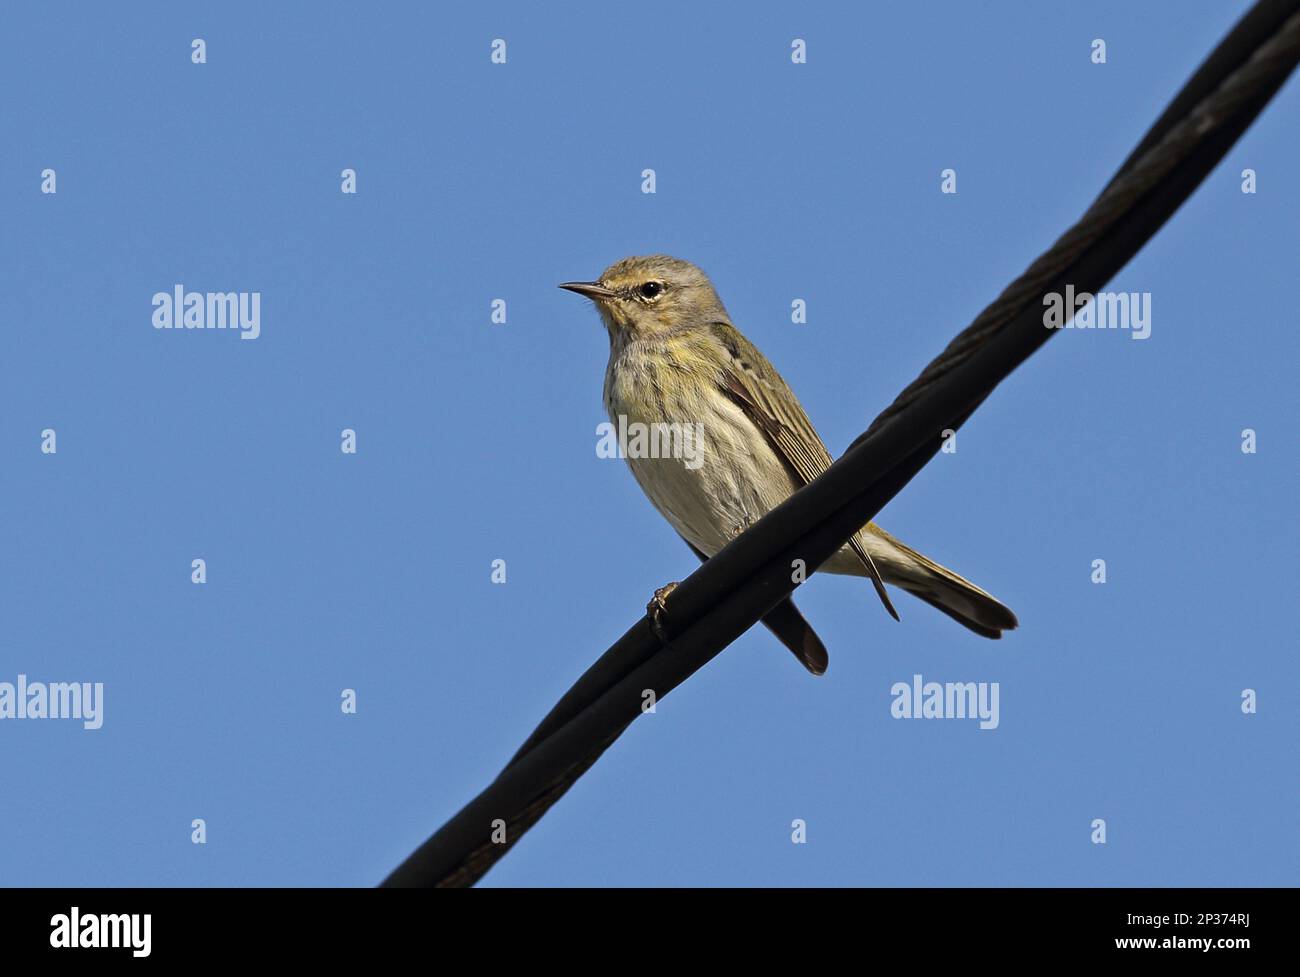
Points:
[657,608]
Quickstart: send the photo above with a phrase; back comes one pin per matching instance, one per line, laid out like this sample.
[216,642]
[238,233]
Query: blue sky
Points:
[476,442]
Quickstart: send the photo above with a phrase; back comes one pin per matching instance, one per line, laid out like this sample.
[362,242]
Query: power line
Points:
[733,590]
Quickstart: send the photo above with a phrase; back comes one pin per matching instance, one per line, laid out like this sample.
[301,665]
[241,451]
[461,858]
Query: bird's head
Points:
[639,298]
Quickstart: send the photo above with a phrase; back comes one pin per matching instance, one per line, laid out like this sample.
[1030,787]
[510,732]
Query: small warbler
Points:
[678,363]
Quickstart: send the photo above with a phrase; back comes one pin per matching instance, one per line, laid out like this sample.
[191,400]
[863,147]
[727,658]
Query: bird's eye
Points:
[650,290]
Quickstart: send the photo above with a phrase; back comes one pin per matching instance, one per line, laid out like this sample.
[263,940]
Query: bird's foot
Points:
[657,608]
[739,528]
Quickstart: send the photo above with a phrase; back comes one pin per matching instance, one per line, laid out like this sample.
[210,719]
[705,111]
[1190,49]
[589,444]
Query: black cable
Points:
[729,593]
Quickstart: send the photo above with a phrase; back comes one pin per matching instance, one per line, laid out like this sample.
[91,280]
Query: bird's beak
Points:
[593,290]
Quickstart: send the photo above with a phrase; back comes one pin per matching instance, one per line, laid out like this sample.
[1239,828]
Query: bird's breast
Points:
[726,476]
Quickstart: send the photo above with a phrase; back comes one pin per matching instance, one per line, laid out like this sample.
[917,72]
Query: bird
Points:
[676,359]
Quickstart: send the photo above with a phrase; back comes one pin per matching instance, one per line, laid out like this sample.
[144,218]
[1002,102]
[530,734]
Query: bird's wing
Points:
[755,386]
[793,631]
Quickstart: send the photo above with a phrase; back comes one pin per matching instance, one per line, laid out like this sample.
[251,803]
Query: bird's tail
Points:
[942,589]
